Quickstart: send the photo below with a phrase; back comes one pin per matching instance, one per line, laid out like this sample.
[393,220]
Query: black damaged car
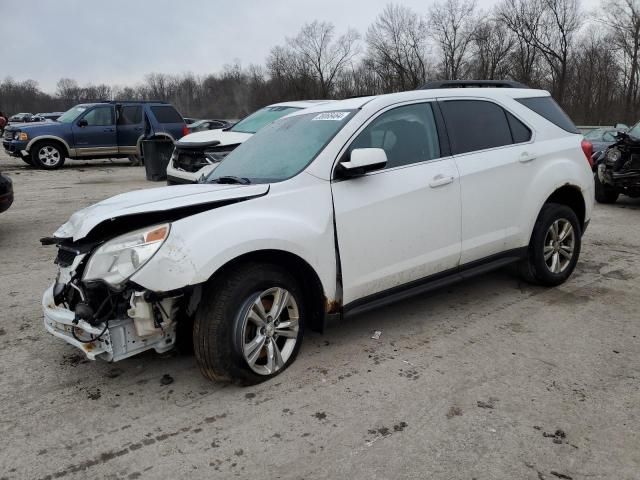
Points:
[6,193]
[617,169]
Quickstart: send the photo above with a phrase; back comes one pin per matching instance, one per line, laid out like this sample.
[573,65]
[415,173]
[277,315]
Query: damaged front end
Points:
[618,167]
[94,306]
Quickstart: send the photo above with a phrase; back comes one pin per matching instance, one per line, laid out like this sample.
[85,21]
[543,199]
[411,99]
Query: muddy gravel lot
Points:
[490,379]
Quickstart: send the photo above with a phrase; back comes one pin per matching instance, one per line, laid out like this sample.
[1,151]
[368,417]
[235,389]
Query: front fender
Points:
[293,220]
[70,151]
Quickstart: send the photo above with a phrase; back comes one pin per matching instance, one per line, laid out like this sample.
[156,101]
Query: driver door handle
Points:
[108,130]
[440,180]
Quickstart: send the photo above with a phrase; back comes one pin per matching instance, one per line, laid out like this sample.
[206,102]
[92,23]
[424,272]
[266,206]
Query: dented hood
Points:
[225,137]
[156,200]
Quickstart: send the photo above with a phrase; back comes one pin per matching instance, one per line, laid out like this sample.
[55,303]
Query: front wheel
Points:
[249,325]
[604,193]
[554,248]
[47,155]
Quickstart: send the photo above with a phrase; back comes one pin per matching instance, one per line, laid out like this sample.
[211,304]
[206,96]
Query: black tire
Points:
[604,193]
[534,269]
[219,334]
[55,160]
[27,160]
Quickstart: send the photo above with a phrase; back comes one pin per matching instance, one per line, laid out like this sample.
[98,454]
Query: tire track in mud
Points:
[148,440]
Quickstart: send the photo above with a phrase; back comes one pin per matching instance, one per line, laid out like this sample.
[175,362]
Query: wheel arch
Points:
[305,274]
[66,149]
[572,197]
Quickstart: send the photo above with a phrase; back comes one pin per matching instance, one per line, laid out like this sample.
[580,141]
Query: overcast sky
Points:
[119,41]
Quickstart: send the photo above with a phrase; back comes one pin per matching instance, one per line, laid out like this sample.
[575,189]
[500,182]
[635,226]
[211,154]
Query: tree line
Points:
[588,61]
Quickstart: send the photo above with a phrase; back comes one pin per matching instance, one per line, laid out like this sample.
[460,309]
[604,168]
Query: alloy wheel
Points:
[270,330]
[49,156]
[559,245]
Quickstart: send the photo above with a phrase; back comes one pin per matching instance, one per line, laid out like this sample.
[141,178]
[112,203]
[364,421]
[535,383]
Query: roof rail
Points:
[127,101]
[472,84]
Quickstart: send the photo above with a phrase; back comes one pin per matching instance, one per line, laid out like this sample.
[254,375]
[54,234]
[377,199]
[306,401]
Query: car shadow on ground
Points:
[422,317]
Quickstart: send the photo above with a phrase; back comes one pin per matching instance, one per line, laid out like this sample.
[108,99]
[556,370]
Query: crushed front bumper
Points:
[119,340]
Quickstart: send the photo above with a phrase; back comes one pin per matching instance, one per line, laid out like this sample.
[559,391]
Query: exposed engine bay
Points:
[95,302]
[106,322]
[617,169]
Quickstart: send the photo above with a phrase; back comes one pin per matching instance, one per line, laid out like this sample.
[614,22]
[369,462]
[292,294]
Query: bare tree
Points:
[493,43]
[622,18]
[321,56]
[452,24]
[397,47]
[550,27]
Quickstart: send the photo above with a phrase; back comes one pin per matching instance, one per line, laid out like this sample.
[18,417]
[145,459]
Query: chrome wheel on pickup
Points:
[249,324]
[47,155]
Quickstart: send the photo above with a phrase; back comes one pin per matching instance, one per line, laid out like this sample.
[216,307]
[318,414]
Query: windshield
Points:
[635,130]
[70,115]
[595,134]
[262,117]
[283,149]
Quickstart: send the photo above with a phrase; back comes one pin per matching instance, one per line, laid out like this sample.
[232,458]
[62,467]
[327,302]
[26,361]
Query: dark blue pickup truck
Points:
[94,130]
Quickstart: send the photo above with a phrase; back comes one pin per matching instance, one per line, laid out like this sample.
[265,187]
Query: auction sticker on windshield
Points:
[335,116]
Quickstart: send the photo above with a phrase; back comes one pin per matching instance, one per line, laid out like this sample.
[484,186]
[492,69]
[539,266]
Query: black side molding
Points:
[434,282]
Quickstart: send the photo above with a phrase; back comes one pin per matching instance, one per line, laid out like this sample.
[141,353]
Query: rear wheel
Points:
[604,193]
[250,325]
[47,155]
[554,248]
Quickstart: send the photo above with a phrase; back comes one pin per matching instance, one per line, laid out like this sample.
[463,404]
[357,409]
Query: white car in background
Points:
[196,155]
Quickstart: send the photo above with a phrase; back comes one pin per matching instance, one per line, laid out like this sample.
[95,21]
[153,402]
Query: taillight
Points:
[587,148]
[185,130]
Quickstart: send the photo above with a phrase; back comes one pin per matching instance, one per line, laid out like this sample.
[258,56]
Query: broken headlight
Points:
[613,155]
[118,259]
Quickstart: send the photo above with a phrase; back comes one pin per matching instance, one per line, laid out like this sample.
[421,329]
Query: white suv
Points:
[324,214]
[196,155]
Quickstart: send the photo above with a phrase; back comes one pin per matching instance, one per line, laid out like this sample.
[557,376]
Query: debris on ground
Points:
[561,475]
[166,379]
[376,335]
[490,404]
[454,412]
[558,436]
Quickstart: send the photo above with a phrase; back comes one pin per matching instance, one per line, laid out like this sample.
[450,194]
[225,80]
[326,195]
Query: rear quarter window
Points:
[166,114]
[548,108]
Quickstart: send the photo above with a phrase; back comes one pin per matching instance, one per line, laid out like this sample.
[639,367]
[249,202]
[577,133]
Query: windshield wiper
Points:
[232,179]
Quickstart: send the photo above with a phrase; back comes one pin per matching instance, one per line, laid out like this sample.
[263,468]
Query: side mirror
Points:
[83,123]
[363,160]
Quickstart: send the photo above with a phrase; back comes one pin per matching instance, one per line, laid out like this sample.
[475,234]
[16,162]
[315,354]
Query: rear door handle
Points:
[440,180]
[108,130]
[526,157]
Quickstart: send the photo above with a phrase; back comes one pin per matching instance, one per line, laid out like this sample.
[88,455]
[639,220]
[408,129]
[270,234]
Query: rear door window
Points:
[99,117]
[475,125]
[130,115]
[166,114]
[549,109]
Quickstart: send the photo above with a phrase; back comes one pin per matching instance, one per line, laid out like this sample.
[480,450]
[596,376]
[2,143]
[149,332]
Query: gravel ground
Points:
[490,379]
